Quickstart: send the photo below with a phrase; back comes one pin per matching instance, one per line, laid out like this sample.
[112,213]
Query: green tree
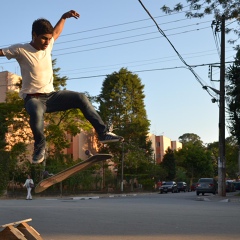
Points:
[168,163]
[200,8]
[195,158]
[233,97]
[214,150]
[12,151]
[190,137]
[121,103]
[233,100]
[231,156]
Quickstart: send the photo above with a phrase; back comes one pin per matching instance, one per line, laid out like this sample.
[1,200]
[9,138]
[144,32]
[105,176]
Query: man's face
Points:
[41,42]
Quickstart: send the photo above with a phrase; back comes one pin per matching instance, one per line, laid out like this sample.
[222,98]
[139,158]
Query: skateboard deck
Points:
[59,177]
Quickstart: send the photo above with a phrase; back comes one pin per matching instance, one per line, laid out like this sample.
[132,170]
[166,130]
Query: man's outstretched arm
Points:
[60,24]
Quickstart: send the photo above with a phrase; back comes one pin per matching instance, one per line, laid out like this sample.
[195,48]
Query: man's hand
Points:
[60,24]
[70,14]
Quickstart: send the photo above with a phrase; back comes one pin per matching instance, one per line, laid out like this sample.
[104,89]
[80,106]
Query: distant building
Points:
[80,143]
[160,144]
[8,82]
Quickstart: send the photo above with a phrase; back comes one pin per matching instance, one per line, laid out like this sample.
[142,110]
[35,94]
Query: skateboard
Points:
[59,177]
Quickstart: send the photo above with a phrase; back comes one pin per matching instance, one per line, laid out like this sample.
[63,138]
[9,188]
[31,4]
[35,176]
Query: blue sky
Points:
[110,35]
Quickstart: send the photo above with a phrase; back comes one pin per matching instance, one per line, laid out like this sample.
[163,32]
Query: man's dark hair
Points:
[42,26]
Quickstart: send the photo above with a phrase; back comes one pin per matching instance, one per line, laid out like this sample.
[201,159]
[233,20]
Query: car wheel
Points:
[203,193]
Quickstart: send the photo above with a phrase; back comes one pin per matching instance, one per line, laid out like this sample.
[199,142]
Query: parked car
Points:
[230,186]
[182,186]
[169,186]
[206,185]
[236,185]
[193,187]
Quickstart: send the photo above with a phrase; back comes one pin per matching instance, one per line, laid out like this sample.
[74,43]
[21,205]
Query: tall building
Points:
[160,144]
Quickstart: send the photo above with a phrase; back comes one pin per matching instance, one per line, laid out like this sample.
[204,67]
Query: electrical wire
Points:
[214,32]
[118,44]
[104,27]
[179,55]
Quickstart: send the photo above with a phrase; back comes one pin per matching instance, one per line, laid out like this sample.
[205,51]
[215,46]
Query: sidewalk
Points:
[230,197]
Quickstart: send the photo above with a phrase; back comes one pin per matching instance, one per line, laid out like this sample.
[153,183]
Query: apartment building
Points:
[8,82]
[160,144]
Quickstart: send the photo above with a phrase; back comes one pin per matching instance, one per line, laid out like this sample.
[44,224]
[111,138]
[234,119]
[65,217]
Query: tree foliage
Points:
[121,103]
[190,137]
[195,158]
[200,8]
[231,156]
[233,97]
[169,164]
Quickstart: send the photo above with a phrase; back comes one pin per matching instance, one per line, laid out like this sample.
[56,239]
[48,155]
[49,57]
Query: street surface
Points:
[148,216]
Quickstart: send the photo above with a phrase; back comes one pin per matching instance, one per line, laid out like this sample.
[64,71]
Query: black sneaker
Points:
[38,154]
[110,137]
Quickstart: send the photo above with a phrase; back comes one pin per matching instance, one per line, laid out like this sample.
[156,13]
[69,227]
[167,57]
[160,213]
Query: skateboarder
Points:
[37,90]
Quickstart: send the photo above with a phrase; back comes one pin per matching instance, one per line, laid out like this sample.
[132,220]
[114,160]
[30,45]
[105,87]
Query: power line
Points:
[214,32]
[120,44]
[131,30]
[139,63]
[104,27]
[139,71]
[123,38]
[163,34]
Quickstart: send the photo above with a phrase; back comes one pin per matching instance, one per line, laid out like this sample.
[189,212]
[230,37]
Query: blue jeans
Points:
[63,100]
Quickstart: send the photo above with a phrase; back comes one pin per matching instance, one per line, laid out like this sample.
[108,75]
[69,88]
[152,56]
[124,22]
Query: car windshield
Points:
[168,183]
[205,180]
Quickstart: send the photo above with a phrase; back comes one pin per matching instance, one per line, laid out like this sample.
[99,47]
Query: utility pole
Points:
[122,177]
[221,157]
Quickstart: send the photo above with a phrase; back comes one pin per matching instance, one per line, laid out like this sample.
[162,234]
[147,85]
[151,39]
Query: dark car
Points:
[169,186]
[182,186]
[236,185]
[206,185]
[230,187]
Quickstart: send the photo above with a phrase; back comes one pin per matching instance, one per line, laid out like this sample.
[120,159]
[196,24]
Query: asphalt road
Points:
[152,216]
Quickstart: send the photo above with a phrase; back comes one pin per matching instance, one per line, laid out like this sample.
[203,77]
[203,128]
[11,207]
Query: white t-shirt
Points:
[27,183]
[35,65]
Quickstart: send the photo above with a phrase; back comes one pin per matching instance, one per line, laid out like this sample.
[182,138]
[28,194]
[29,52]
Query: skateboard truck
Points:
[88,153]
